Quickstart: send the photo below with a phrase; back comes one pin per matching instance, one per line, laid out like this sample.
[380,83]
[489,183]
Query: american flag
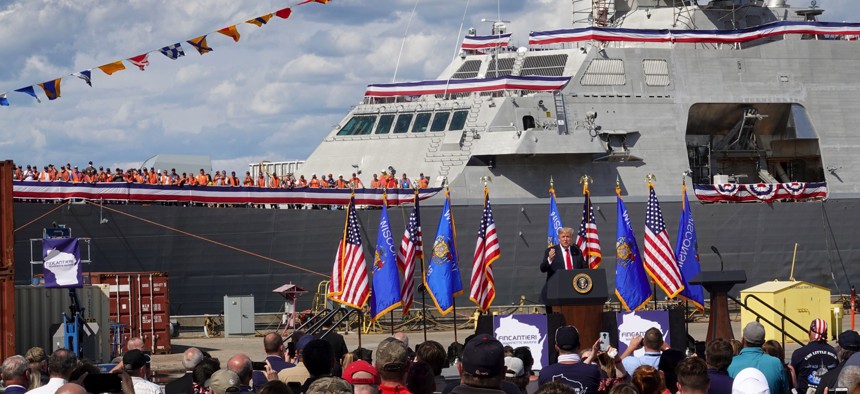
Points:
[586,239]
[659,257]
[355,286]
[411,249]
[483,286]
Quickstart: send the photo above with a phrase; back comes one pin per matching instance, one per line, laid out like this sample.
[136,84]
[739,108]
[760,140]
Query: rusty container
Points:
[139,307]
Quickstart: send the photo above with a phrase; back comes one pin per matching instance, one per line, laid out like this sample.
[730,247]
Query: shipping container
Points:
[140,302]
[39,312]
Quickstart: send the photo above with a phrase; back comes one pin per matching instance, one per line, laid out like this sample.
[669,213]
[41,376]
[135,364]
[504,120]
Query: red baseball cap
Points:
[360,366]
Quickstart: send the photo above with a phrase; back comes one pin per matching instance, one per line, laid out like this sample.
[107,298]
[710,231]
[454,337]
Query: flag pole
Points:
[424,291]
[454,301]
[391,319]
[360,325]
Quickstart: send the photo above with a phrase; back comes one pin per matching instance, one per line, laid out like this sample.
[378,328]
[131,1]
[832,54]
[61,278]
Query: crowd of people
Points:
[305,364]
[385,179]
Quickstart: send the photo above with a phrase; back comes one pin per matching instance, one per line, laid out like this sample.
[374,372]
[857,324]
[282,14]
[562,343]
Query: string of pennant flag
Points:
[173,51]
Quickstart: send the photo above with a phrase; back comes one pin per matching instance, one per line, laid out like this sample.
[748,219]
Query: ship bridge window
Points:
[468,69]
[422,120]
[439,121]
[384,125]
[500,67]
[656,72]
[458,121]
[604,72]
[402,124]
[358,125]
[550,66]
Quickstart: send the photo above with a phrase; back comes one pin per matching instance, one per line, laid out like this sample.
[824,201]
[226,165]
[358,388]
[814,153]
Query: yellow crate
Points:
[800,301]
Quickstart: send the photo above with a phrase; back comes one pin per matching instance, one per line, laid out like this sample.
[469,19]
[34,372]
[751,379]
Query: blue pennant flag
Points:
[385,295]
[687,253]
[3,100]
[173,51]
[442,278]
[554,221]
[87,76]
[631,282]
[29,90]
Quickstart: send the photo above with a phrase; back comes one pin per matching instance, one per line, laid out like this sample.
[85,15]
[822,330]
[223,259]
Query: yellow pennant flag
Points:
[111,68]
[260,20]
[231,32]
[200,44]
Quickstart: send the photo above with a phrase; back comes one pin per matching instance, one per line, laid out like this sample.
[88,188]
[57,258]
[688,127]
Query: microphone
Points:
[717,252]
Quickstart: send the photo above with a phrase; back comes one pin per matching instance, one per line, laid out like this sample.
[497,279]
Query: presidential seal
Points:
[582,283]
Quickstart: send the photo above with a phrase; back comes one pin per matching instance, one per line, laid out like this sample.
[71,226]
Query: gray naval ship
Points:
[777,109]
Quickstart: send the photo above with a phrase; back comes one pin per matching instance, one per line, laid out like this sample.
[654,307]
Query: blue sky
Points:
[272,96]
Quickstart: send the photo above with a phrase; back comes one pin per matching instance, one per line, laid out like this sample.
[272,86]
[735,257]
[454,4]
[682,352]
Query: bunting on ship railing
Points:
[172,51]
[762,192]
[132,192]
[480,43]
[848,30]
[509,82]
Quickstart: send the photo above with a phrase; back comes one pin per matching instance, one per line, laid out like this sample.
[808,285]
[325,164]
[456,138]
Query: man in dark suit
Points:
[16,374]
[563,256]
[273,344]
[190,358]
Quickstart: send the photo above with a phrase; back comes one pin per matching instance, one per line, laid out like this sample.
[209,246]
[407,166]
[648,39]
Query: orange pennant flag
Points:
[284,13]
[260,20]
[314,1]
[231,32]
[111,68]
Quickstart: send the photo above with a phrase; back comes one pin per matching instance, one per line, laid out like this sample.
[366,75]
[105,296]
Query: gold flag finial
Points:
[651,178]
[551,183]
[585,180]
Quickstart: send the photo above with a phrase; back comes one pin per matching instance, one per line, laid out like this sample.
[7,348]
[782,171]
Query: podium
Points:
[580,295]
[718,284]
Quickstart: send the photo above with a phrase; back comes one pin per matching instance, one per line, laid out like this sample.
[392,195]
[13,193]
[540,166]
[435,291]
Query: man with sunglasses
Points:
[570,370]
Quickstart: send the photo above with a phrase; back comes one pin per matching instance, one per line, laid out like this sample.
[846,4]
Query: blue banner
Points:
[554,221]
[631,282]
[443,272]
[62,262]
[687,254]
[385,295]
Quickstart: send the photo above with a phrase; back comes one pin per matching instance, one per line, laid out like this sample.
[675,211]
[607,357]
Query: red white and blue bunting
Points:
[847,30]
[510,82]
[132,192]
[762,192]
[475,43]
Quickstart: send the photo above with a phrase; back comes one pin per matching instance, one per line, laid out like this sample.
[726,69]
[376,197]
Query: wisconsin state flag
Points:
[230,31]
[111,68]
[260,20]
[200,45]
[51,88]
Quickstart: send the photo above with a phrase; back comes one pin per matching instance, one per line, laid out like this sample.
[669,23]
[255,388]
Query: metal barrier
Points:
[783,317]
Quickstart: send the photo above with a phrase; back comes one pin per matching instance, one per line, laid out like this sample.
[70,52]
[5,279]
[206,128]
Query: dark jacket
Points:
[558,264]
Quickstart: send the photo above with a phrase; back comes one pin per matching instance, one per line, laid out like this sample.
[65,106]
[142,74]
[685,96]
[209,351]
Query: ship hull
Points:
[212,252]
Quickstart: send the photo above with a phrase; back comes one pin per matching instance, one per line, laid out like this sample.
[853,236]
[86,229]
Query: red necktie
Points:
[567,260]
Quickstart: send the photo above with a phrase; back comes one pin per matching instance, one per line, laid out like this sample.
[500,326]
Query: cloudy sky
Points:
[272,96]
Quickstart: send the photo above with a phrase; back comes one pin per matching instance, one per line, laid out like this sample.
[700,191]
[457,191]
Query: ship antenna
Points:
[403,43]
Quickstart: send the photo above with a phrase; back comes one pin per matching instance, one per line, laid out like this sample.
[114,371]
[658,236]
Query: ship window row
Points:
[403,123]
